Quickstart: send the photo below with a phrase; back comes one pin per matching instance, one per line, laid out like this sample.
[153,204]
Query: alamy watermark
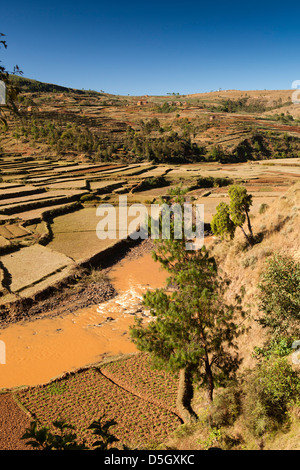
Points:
[2,352]
[157,221]
[296,93]
[296,354]
[2,93]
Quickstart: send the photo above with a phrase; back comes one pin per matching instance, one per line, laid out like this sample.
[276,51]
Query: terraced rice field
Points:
[30,266]
[53,203]
[46,199]
[47,230]
[75,235]
[81,397]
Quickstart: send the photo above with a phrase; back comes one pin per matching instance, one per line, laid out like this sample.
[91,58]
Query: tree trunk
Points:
[249,240]
[210,382]
[249,226]
[184,396]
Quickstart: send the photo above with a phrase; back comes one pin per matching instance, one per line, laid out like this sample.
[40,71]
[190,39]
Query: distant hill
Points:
[228,126]
[28,85]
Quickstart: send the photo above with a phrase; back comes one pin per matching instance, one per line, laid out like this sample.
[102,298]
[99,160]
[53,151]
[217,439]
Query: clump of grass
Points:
[226,407]
[56,388]
[263,207]
[92,276]
[89,197]
[249,262]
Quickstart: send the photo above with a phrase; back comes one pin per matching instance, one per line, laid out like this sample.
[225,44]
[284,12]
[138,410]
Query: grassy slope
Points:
[278,226]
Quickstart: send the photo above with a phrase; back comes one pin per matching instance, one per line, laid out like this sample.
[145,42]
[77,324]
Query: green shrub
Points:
[56,388]
[276,347]
[263,207]
[270,389]
[226,407]
[178,190]
[88,197]
[210,182]
[279,298]
[151,183]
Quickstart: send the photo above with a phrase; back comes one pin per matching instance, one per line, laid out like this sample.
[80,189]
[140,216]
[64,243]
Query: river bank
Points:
[80,330]
[89,286]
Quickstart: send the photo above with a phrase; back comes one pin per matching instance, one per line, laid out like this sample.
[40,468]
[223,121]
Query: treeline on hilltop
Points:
[138,146]
[150,141]
[28,85]
[241,105]
[245,104]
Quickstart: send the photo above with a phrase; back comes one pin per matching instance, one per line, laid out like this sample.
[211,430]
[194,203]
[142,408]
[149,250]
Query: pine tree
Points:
[192,328]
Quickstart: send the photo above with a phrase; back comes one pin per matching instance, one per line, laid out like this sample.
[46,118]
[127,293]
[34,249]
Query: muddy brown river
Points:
[42,349]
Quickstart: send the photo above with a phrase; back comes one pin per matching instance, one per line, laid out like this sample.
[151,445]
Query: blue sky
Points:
[155,48]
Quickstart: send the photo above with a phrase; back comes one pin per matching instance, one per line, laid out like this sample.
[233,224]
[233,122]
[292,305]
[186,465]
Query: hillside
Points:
[225,126]
[52,203]
[277,229]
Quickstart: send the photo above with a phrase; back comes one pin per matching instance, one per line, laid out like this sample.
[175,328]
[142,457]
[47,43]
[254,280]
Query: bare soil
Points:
[82,397]
[13,423]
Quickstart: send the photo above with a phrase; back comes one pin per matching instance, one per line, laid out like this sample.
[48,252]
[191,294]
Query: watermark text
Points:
[159,220]
[2,352]
[2,93]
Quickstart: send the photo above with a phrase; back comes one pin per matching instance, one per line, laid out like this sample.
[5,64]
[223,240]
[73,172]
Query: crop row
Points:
[81,398]
[137,375]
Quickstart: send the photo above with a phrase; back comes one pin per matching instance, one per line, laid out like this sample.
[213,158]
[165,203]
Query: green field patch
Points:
[83,397]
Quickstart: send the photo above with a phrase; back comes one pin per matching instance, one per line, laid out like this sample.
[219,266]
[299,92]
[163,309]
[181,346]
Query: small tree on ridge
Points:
[230,216]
